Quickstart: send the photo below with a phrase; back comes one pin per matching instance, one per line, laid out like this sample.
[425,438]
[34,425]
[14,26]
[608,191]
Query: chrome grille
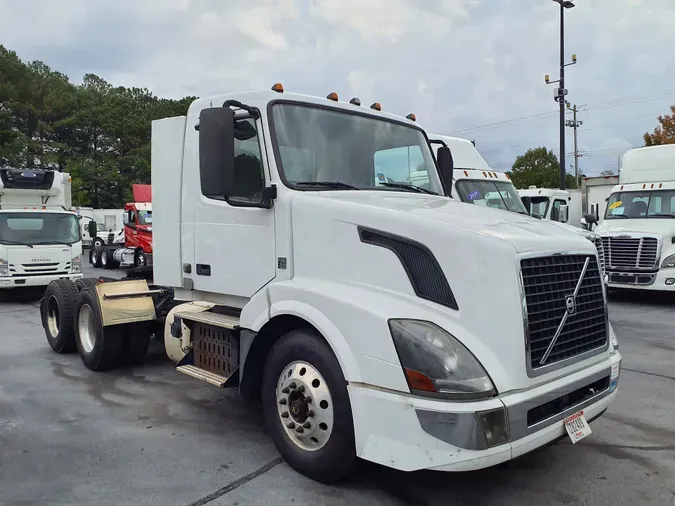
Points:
[601,253]
[548,282]
[111,238]
[631,253]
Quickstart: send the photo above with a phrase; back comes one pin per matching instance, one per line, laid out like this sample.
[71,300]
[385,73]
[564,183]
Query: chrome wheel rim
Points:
[94,257]
[87,328]
[104,258]
[141,259]
[305,406]
[53,316]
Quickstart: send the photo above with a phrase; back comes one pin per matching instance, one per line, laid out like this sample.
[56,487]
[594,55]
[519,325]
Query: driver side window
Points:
[249,180]
[555,210]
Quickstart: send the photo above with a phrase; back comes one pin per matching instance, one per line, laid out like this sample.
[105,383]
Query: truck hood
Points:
[660,226]
[478,250]
[522,232]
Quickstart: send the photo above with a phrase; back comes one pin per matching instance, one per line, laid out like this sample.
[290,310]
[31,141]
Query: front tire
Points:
[100,347]
[98,242]
[306,407]
[58,304]
[140,259]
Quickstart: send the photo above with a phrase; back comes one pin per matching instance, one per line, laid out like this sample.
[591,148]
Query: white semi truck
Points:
[374,318]
[554,204]
[40,238]
[474,182]
[638,229]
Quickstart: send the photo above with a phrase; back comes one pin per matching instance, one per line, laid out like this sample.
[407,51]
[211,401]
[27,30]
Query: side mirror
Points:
[446,167]
[590,219]
[216,151]
[527,202]
[91,228]
[564,213]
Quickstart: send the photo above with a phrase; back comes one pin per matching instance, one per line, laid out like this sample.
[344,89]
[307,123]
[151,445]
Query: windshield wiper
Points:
[54,242]
[407,186]
[618,216]
[661,215]
[18,243]
[328,184]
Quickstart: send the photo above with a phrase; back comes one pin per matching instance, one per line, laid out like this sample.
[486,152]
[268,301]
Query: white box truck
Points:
[289,266]
[595,193]
[40,238]
[638,228]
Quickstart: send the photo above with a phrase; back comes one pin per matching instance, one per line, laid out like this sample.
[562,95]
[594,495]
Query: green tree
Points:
[538,167]
[97,132]
[665,132]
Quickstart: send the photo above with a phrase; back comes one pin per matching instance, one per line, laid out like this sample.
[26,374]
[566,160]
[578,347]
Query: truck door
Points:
[130,228]
[234,242]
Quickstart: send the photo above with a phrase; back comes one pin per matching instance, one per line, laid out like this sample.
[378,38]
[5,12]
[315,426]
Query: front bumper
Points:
[655,281]
[411,433]
[26,281]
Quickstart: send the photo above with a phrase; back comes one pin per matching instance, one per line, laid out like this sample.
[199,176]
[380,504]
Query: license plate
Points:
[577,427]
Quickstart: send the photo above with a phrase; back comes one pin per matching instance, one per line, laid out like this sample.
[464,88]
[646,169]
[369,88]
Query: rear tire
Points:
[83,283]
[320,446]
[96,256]
[100,347]
[108,259]
[56,309]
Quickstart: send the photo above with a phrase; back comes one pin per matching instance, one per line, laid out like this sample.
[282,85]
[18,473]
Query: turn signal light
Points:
[419,381]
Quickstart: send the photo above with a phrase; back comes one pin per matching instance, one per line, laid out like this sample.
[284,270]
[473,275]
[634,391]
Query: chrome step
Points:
[215,319]
[209,377]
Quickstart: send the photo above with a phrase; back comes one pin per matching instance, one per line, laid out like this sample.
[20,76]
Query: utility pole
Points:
[560,93]
[573,123]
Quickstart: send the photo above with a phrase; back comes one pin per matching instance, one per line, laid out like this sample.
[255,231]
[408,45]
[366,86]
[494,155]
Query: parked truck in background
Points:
[554,204]
[292,264]
[595,192]
[136,248]
[638,228]
[39,237]
[474,182]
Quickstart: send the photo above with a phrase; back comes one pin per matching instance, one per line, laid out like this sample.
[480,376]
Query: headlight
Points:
[76,266]
[4,267]
[434,361]
[668,262]
[612,338]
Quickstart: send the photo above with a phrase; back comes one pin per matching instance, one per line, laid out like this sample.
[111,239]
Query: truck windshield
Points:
[496,194]
[39,228]
[641,204]
[539,206]
[145,217]
[340,150]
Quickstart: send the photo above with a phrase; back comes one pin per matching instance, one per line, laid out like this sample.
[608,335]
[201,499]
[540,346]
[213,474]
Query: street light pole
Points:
[561,92]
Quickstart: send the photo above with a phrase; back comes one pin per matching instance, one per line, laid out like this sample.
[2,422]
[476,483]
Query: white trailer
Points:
[639,221]
[40,238]
[293,264]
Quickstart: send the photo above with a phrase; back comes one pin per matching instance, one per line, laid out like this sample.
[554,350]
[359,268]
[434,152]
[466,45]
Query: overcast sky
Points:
[458,64]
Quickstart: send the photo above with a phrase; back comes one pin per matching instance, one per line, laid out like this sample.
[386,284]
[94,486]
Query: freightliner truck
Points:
[375,319]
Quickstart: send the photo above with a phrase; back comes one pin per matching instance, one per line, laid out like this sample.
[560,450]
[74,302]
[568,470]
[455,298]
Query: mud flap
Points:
[125,302]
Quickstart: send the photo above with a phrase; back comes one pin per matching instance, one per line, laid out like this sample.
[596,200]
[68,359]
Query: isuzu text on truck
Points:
[375,319]
[40,239]
[638,229]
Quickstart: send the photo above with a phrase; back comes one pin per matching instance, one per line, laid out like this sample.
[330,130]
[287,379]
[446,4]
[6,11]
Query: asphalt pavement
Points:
[151,436]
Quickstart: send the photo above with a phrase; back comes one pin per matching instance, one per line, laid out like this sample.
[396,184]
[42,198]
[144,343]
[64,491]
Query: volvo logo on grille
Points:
[570,304]
[570,309]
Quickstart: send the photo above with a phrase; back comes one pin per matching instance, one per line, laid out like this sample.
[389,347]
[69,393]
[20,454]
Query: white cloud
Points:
[455,63]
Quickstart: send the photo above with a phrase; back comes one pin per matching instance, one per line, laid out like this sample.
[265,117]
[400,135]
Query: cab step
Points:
[209,377]
[217,320]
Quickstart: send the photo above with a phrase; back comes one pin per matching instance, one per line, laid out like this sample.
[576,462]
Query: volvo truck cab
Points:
[305,269]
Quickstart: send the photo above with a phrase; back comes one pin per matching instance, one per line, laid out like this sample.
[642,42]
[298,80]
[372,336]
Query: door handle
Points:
[203,270]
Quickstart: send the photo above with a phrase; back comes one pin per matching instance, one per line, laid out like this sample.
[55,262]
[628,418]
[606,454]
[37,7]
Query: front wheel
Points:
[140,260]
[307,409]
[98,242]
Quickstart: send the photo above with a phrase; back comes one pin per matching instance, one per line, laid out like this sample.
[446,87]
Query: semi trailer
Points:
[374,318]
